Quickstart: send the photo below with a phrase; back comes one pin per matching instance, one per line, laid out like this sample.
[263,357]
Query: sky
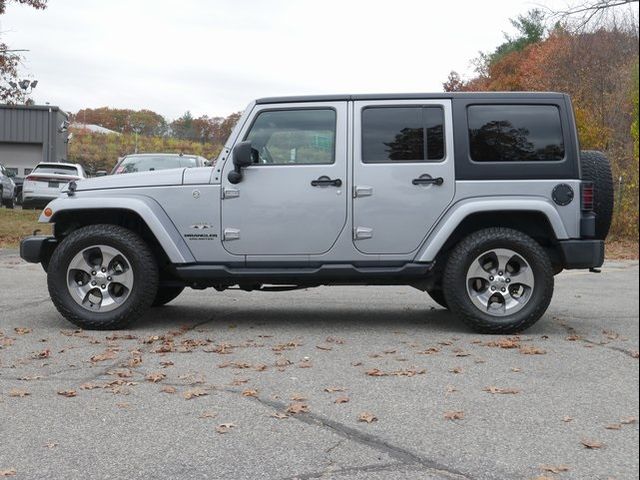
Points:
[214,56]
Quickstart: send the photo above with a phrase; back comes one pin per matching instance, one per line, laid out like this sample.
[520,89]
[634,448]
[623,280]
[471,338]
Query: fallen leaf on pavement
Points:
[67,393]
[106,355]
[22,330]
[454,415]
[296,397]
[279,415]
[324,347]
[592,444]
[512,342]
[10,472]
[628,420]
[225,427]
[296,408]
[249,393]
[209,414]
[367,417]
[334,389]
[456,370]
[90,386]
[18,392]
[194,392]
[531,350]
[50,445]
[554,468]
[374,372]
[155,377]
[43,354]
[505,391]
[613,426]
[567,419]
[341,400]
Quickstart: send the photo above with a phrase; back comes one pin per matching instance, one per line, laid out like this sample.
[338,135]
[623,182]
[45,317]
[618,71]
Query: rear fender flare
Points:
[461,210]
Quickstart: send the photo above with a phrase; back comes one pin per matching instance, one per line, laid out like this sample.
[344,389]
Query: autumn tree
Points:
[597,67]
[10,91]
[124,120]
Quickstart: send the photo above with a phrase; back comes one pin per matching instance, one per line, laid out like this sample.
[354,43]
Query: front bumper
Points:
[579,254]
[37,248]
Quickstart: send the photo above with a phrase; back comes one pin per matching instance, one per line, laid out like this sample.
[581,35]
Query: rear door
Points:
[403,172]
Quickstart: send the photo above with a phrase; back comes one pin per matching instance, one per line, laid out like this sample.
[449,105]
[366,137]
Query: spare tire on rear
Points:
[596,168]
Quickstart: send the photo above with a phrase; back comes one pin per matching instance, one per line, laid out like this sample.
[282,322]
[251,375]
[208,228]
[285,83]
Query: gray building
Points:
[30,134]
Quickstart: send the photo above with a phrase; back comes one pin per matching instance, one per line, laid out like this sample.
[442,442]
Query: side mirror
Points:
[242,158]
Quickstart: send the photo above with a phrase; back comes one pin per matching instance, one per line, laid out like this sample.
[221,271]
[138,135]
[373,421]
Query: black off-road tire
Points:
[455,279]
[166,294]
[143,264]
[596,168]
[437,295]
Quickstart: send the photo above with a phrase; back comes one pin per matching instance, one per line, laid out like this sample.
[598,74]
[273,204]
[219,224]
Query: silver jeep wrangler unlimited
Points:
[478,199]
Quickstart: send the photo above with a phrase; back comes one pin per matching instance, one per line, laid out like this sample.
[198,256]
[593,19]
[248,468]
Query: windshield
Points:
[57,169]
[145,163]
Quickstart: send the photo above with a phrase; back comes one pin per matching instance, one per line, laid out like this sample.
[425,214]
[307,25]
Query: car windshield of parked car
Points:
[57,169]
[145,163]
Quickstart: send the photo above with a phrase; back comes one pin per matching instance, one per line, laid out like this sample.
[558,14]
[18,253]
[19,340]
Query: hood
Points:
[158,178]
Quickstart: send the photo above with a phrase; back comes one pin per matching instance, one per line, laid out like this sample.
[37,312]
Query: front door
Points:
[403,173]
[293,199]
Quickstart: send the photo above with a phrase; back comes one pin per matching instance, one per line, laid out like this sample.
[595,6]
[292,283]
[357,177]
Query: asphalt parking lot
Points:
[348,383]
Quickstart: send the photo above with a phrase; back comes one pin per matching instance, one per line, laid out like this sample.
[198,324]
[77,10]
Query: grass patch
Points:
[17,224]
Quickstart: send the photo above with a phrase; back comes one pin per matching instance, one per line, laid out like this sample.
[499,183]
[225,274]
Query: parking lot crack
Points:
[396,452]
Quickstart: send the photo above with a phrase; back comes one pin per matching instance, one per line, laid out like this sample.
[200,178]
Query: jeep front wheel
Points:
[499,280]
[102,277]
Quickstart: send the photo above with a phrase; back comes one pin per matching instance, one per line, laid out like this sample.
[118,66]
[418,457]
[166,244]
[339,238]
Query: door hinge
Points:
[230,193]
[362,233]
[362,191]
[231,234]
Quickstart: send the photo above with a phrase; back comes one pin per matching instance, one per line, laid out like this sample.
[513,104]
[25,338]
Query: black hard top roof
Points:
[411,96]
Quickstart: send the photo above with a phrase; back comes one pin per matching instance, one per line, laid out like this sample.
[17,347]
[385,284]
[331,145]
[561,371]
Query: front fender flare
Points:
[461,210]
[147,208]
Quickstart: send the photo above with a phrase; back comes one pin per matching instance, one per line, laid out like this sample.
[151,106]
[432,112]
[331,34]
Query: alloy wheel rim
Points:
[100,278]
[500,282]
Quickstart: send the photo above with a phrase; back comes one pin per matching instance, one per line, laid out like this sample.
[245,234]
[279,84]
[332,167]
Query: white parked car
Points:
[7,188]
[44,183]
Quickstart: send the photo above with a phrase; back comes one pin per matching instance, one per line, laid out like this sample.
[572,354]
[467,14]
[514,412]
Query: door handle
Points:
[325,181]
[427,180]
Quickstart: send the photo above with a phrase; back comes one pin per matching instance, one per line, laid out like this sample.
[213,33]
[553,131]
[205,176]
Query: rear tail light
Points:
[588,195]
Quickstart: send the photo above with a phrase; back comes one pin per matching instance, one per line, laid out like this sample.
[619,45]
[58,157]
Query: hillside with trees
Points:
[596,63]
[143,131]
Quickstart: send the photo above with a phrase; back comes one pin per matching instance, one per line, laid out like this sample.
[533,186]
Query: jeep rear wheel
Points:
[498,280]
[102,277]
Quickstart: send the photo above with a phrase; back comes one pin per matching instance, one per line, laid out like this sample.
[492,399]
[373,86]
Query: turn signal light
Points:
[48,212]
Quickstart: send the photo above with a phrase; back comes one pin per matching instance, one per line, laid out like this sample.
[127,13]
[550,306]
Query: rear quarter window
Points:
[515,133]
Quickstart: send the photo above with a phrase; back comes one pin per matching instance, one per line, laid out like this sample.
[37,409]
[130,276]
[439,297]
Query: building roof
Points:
[93,128]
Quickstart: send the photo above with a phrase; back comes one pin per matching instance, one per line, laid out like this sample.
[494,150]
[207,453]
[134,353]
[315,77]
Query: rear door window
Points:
[515,133]
[402,134]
